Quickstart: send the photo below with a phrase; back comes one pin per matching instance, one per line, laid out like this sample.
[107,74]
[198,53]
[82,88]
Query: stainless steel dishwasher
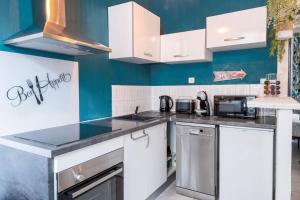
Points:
[196,171]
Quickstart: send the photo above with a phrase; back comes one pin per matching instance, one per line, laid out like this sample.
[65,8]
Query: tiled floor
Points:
[170,193]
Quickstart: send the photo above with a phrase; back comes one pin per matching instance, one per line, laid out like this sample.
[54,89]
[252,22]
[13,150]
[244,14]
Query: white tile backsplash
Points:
[126,98]
[191,91]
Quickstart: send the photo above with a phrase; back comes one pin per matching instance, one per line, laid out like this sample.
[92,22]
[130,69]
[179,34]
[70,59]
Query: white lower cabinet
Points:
[246,163]
[145,158]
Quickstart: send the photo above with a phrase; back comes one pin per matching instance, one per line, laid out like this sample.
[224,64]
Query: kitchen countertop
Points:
[259,122]
[123,127]
[286,103]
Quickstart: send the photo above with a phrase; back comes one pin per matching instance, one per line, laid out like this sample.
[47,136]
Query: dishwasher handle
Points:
[195,131]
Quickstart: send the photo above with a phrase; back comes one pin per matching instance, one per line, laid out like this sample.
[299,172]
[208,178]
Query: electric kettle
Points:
[166,103]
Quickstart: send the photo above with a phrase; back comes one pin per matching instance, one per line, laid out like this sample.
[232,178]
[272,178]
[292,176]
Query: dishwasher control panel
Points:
[200,132]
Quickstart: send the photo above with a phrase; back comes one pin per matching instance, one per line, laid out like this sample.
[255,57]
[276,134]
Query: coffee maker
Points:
[204,104]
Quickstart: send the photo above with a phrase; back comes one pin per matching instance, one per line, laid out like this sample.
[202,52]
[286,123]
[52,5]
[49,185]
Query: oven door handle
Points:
[94,184]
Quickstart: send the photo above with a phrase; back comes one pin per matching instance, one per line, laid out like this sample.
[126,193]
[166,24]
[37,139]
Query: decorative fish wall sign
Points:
[229,75]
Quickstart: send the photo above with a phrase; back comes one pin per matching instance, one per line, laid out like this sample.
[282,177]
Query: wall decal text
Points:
[36,88]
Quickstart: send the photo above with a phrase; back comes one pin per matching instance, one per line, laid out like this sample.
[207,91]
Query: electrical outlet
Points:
[191,80]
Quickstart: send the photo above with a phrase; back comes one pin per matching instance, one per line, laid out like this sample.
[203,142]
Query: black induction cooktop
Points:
[66,134]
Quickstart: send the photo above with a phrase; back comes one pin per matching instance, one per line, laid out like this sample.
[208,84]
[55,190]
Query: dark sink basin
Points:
[134,117]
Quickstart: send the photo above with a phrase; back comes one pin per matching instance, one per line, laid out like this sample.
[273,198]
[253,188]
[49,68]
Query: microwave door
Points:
[230,107]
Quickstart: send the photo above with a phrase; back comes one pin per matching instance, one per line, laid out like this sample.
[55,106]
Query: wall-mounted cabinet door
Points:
[185,47]
[146,34]
[145,162]
[237,30]
[246,163]
[134,34]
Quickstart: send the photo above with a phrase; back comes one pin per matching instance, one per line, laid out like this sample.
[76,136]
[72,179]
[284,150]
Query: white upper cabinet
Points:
[185,47]
[237,30]
[134,34]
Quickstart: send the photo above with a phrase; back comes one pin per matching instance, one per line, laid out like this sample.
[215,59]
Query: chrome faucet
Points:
[136,110]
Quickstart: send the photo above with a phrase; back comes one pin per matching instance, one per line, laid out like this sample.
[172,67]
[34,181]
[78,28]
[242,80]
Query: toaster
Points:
[186,106]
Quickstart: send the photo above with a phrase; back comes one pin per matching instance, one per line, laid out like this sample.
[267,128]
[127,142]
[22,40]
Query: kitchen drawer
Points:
[76,157]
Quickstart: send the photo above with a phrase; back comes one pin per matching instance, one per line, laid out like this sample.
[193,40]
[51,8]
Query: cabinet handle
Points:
[148,54]
[140,137]
[180,56]
[233,39]
[148,138]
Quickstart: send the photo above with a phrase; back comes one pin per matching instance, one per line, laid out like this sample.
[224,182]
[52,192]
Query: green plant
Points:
[281,11]
[282,14]
[277,46]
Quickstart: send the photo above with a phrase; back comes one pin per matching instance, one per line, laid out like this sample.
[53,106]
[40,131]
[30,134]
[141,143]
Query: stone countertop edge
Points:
[53,151]
[50,151]
[260,122]
[285,103]
[104,137]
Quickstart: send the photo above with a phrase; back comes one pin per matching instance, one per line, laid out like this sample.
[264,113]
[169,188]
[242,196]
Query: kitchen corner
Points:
[149,100]
[86,141]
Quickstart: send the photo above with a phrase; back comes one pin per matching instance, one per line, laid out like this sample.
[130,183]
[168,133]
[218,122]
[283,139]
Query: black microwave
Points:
[234,106]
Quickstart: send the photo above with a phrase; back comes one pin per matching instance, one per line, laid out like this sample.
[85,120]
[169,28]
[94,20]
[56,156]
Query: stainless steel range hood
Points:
[49,32]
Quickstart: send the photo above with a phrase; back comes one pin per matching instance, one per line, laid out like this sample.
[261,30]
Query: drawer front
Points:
[73,158]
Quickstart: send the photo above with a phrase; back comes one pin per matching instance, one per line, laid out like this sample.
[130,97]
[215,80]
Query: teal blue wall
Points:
[179,15]
[255,62]
[97,73]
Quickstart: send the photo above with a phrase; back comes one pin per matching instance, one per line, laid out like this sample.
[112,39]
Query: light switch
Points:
[191,80]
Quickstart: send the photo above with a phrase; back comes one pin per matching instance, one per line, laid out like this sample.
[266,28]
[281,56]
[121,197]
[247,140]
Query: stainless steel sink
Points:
[136,117]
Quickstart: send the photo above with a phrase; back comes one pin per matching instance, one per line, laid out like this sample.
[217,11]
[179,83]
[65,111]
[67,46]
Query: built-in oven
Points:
[99,178]
[234,106]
